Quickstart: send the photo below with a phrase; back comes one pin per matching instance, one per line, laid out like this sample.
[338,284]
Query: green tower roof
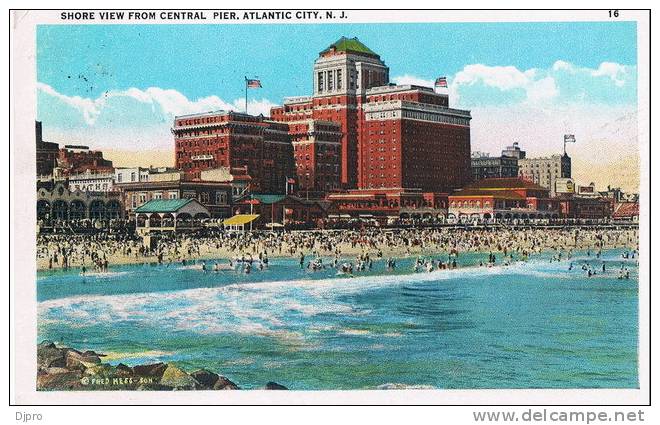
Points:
[353,45]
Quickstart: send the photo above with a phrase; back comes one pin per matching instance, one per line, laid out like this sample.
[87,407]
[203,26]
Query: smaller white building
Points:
[91,182]
[131,174]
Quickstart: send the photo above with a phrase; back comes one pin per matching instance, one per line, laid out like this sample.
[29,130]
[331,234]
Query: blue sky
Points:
[201,60]
[118,87]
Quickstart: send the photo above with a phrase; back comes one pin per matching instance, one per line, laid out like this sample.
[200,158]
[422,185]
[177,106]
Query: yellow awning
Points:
[240,219]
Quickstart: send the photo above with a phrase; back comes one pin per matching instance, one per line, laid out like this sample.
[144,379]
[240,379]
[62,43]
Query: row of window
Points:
[203,197]
[334,79]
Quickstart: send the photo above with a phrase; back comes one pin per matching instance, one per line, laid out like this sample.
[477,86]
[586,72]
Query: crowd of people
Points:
[101,250]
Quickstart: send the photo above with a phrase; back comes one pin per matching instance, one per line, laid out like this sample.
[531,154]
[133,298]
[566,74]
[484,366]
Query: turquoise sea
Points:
[527,325]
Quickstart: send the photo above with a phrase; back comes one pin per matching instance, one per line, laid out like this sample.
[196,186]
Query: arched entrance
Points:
[43,210]
[97,210]
[141,220]
[167,220]
[113,210]
[155,220]
[183,219]
[60,210]
[77,210]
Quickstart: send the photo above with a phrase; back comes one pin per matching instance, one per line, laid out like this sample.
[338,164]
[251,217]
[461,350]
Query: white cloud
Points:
[166,102]
[411,79]
[543,89]
[506,78]
[562,82]
[617,72]
[131,117]
[87,107]
[501,77]
[561,65]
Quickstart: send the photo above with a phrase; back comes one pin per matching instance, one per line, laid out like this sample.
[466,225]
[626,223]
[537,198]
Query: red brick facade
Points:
[79,159]
[503,198]
[317,154]
[393,136]
[229,139]
[388,203]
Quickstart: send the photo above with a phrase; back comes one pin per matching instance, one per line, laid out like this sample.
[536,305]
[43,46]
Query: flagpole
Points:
[251,210]
[246,87]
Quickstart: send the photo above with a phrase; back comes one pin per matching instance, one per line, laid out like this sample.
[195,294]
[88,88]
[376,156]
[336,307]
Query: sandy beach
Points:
[344,245]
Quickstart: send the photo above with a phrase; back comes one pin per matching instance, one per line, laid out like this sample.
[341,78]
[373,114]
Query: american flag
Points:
[253,83]
[441,82]
[569,138]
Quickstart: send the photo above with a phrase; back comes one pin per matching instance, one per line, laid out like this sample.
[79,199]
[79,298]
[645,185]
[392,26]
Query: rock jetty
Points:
[62,368]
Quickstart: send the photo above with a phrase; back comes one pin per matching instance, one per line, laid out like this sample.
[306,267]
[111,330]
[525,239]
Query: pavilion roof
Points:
[163,205]
[268,199]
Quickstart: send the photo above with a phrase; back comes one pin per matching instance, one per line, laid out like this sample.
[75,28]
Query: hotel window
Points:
[320,81]
[172,195]
[339,79]
[158,195]
[132,177]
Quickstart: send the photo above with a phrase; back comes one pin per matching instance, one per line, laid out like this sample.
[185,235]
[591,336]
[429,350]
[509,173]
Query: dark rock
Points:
[224,384]
[81,361]
[152,370]
[100,370]
[48,355]
[60,368]
[93,354]
[55,370]
[206,378]
[123,370]
[178,379]
[59,379]
[274,386]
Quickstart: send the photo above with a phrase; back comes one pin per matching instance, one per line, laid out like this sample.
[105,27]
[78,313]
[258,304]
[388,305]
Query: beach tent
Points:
[239,221]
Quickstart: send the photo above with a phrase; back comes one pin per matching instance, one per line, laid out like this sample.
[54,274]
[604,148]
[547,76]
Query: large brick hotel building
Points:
[392,136]
[235,141]
[357,137]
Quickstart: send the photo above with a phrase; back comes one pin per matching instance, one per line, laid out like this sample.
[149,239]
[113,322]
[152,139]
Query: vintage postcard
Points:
[358,207]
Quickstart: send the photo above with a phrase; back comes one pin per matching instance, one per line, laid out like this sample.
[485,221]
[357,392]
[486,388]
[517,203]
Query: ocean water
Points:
[527,325]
